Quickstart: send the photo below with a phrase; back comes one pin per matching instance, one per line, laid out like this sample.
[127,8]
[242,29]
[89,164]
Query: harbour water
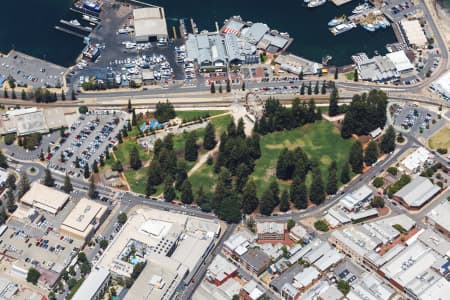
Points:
[31,29]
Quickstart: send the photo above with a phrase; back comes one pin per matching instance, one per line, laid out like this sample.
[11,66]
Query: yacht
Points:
[74,22]
[315,3]
[337,20]
[369,27]
[361,8]
[341,28]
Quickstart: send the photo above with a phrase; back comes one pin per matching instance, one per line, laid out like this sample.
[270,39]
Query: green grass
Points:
[137,179]
[350,75]
[195,114]
[320,140]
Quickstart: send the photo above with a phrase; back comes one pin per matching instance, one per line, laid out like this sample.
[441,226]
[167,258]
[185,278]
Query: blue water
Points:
[31,30]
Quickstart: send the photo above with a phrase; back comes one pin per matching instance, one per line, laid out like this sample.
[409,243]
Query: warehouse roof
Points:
[44,197]
[270,227]
[400,61]
[256,258]
[440,215]
[414,32]
[92,284]
[418,191]
[306,277]
[80,219]
[150,21]
[255,33]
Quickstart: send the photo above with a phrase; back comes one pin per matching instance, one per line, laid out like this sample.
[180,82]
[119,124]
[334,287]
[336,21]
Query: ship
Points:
[91,5]
[315,3]
[369,27]
[361,8]
[74,22]
[89,18]
[341,28]
[337,20]
[306,1]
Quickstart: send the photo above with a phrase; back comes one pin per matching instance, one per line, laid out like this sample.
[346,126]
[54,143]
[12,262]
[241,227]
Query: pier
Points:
[340,2]
[70,32]
[85,12]
[87,29]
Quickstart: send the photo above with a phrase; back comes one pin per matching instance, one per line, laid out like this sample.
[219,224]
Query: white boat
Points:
[74,22]
[306,1]
[361,8]
[315,3]
[341,28]
[369,27]
[337,20]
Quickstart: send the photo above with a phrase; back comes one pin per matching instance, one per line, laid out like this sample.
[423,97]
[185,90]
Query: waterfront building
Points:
[150,24]
[413,32]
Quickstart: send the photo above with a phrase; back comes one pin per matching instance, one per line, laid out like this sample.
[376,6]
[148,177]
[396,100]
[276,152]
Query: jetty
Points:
[70,32]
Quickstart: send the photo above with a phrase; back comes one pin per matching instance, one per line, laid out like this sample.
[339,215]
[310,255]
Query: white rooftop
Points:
[418,191]
[306,277]
[44,197]
[270,227]
[416,159]
[440,215]
[400,61]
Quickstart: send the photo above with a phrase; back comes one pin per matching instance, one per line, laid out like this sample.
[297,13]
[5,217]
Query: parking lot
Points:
[86,139]
[30,71]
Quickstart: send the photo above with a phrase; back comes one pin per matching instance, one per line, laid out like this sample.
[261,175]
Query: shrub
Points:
[10,138]
[442,150]
[393,171]
[378,182]
[321,225]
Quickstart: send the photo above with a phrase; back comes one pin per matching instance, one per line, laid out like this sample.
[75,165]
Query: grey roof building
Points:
[94,284]
[256,260]
[416,193]
[255,33]
[207,49]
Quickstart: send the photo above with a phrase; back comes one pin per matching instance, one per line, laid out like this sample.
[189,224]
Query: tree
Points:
[273,186]
[10,200]
[299,193]
[3,160]
[67,184]
[73,95]
[83,109]
[332,179]
[122,218]
[316,88]
[169,190]
[23,95]
[95,166]
[336,73]
[23,186]
[63,95]
[323,89]
[13,94]
[11,182]
[133,118]
[356,157]
[378,182]
[3,215]
[321,225]
[334,106]
[86,172]
[164,111]
[242,173]
[377,202]
[213,88]
[317,191]
[129,105]
[228,87]
[309,88]
[345,173]
[302,89]
[92,189]
[5,93]
[229,209]
[388,141]
[48,179]
[186,192]
[355,75]
[284,201]
[371,153]
[209,138]
[249,197]
[290,224]
[117,166]
[220,89]
[243,86]
[300,76]
[343,286]
[135,161]
[266,203]
[181,174]
[33,275]
[191,147]
[103,244]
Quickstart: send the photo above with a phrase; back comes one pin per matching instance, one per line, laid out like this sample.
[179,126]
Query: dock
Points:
[85,12]
[87,29]
[70,32]
[183,30]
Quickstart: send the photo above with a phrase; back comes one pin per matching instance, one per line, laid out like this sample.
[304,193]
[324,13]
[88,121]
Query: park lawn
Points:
[440,139]
[123,150]
[350,75]
[138,179]
[190,115]
[205,177]
[320,140]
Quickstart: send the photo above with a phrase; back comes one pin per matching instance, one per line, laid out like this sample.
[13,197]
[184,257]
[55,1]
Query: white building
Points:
[94,285]
[439,218]
[414,161]
[414,33]
[45,198]
[149,24]
[442,85]
[400,61]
